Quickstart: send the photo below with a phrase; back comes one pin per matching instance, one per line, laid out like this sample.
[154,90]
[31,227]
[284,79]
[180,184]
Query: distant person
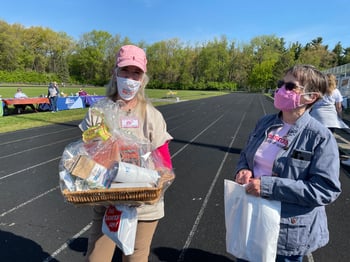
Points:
[52,94]
[2,106]
[20,108]
[338,99]
[82,92]
[328,109]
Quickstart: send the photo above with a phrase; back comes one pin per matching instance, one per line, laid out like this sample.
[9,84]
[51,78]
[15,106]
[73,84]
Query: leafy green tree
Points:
[317,54]
[88,61]
[240,65]
[261,75]
[267,51]
[285,61]
[346,58]
[39,55]
[165,61]
[10,46]
[339,54]
[213,61]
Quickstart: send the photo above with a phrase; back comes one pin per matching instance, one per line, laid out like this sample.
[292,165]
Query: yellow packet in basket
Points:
[95,132]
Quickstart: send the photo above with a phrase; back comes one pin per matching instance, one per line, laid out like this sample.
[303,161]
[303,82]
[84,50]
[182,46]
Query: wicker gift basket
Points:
[130,195]
[89,167]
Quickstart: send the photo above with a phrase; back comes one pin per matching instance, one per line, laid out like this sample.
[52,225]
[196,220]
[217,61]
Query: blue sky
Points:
[191,21]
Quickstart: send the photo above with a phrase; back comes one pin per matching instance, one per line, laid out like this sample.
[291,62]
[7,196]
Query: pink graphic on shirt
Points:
[275,138]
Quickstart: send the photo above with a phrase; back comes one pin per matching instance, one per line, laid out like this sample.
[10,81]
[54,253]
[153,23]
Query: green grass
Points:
[182,94]
[28,120]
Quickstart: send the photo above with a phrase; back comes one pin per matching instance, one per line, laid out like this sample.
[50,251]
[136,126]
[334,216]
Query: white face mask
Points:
[127,88]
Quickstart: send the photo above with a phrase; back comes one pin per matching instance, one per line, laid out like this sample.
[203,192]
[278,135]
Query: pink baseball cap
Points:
[132,55]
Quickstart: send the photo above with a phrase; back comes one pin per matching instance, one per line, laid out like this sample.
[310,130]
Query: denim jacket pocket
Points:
[298,163]
[295,231]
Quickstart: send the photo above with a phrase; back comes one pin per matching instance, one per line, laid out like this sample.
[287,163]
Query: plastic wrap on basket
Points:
[108,166]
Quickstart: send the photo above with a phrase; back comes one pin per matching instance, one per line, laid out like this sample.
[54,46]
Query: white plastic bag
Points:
[252,224]
[119,224]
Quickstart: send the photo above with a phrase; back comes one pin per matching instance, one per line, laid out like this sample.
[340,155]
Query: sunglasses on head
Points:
[288,85]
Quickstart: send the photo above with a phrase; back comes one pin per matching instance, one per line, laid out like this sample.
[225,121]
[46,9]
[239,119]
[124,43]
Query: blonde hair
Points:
[332,84]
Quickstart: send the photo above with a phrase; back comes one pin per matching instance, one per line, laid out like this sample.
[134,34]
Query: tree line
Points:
[39,55]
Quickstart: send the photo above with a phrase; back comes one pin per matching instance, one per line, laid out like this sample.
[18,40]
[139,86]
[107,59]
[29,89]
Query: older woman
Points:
[140,119]
[293,158]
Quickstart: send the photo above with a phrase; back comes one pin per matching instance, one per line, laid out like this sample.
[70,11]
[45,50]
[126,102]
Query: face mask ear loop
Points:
[311,98]
[312,95]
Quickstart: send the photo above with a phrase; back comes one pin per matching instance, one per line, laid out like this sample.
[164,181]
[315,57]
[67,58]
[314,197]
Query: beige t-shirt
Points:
[149,126]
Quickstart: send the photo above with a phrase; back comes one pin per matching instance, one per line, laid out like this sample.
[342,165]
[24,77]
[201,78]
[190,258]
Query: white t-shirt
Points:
[52,91]
[335,97]
[20,95]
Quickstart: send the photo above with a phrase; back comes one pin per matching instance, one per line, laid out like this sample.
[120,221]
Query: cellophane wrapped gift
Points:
[110,166]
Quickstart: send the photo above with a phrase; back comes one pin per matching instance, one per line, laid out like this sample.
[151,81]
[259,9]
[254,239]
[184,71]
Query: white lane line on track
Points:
[31,167]
[344,140]
[310,258]
[29,201]
[38,147]
[205,202]
[205,129]
[262,105]
[65,245]
[31,137]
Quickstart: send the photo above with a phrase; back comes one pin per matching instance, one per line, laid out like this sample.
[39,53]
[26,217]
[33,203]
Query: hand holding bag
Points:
[252,224]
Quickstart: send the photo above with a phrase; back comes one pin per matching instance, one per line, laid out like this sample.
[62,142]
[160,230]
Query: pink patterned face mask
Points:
[286,100]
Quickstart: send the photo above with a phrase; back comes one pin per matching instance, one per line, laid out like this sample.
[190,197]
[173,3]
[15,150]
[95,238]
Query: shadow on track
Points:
[15,248]
[221,148]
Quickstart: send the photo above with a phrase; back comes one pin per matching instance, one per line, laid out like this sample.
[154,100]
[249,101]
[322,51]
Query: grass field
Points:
[28,120]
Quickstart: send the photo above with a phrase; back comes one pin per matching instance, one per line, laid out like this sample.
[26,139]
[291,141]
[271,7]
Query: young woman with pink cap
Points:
[127,87]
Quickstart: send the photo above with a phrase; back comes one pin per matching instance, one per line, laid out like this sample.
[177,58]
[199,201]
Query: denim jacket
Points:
[305,178]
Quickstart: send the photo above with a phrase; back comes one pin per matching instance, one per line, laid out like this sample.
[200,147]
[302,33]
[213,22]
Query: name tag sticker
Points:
[129,122]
